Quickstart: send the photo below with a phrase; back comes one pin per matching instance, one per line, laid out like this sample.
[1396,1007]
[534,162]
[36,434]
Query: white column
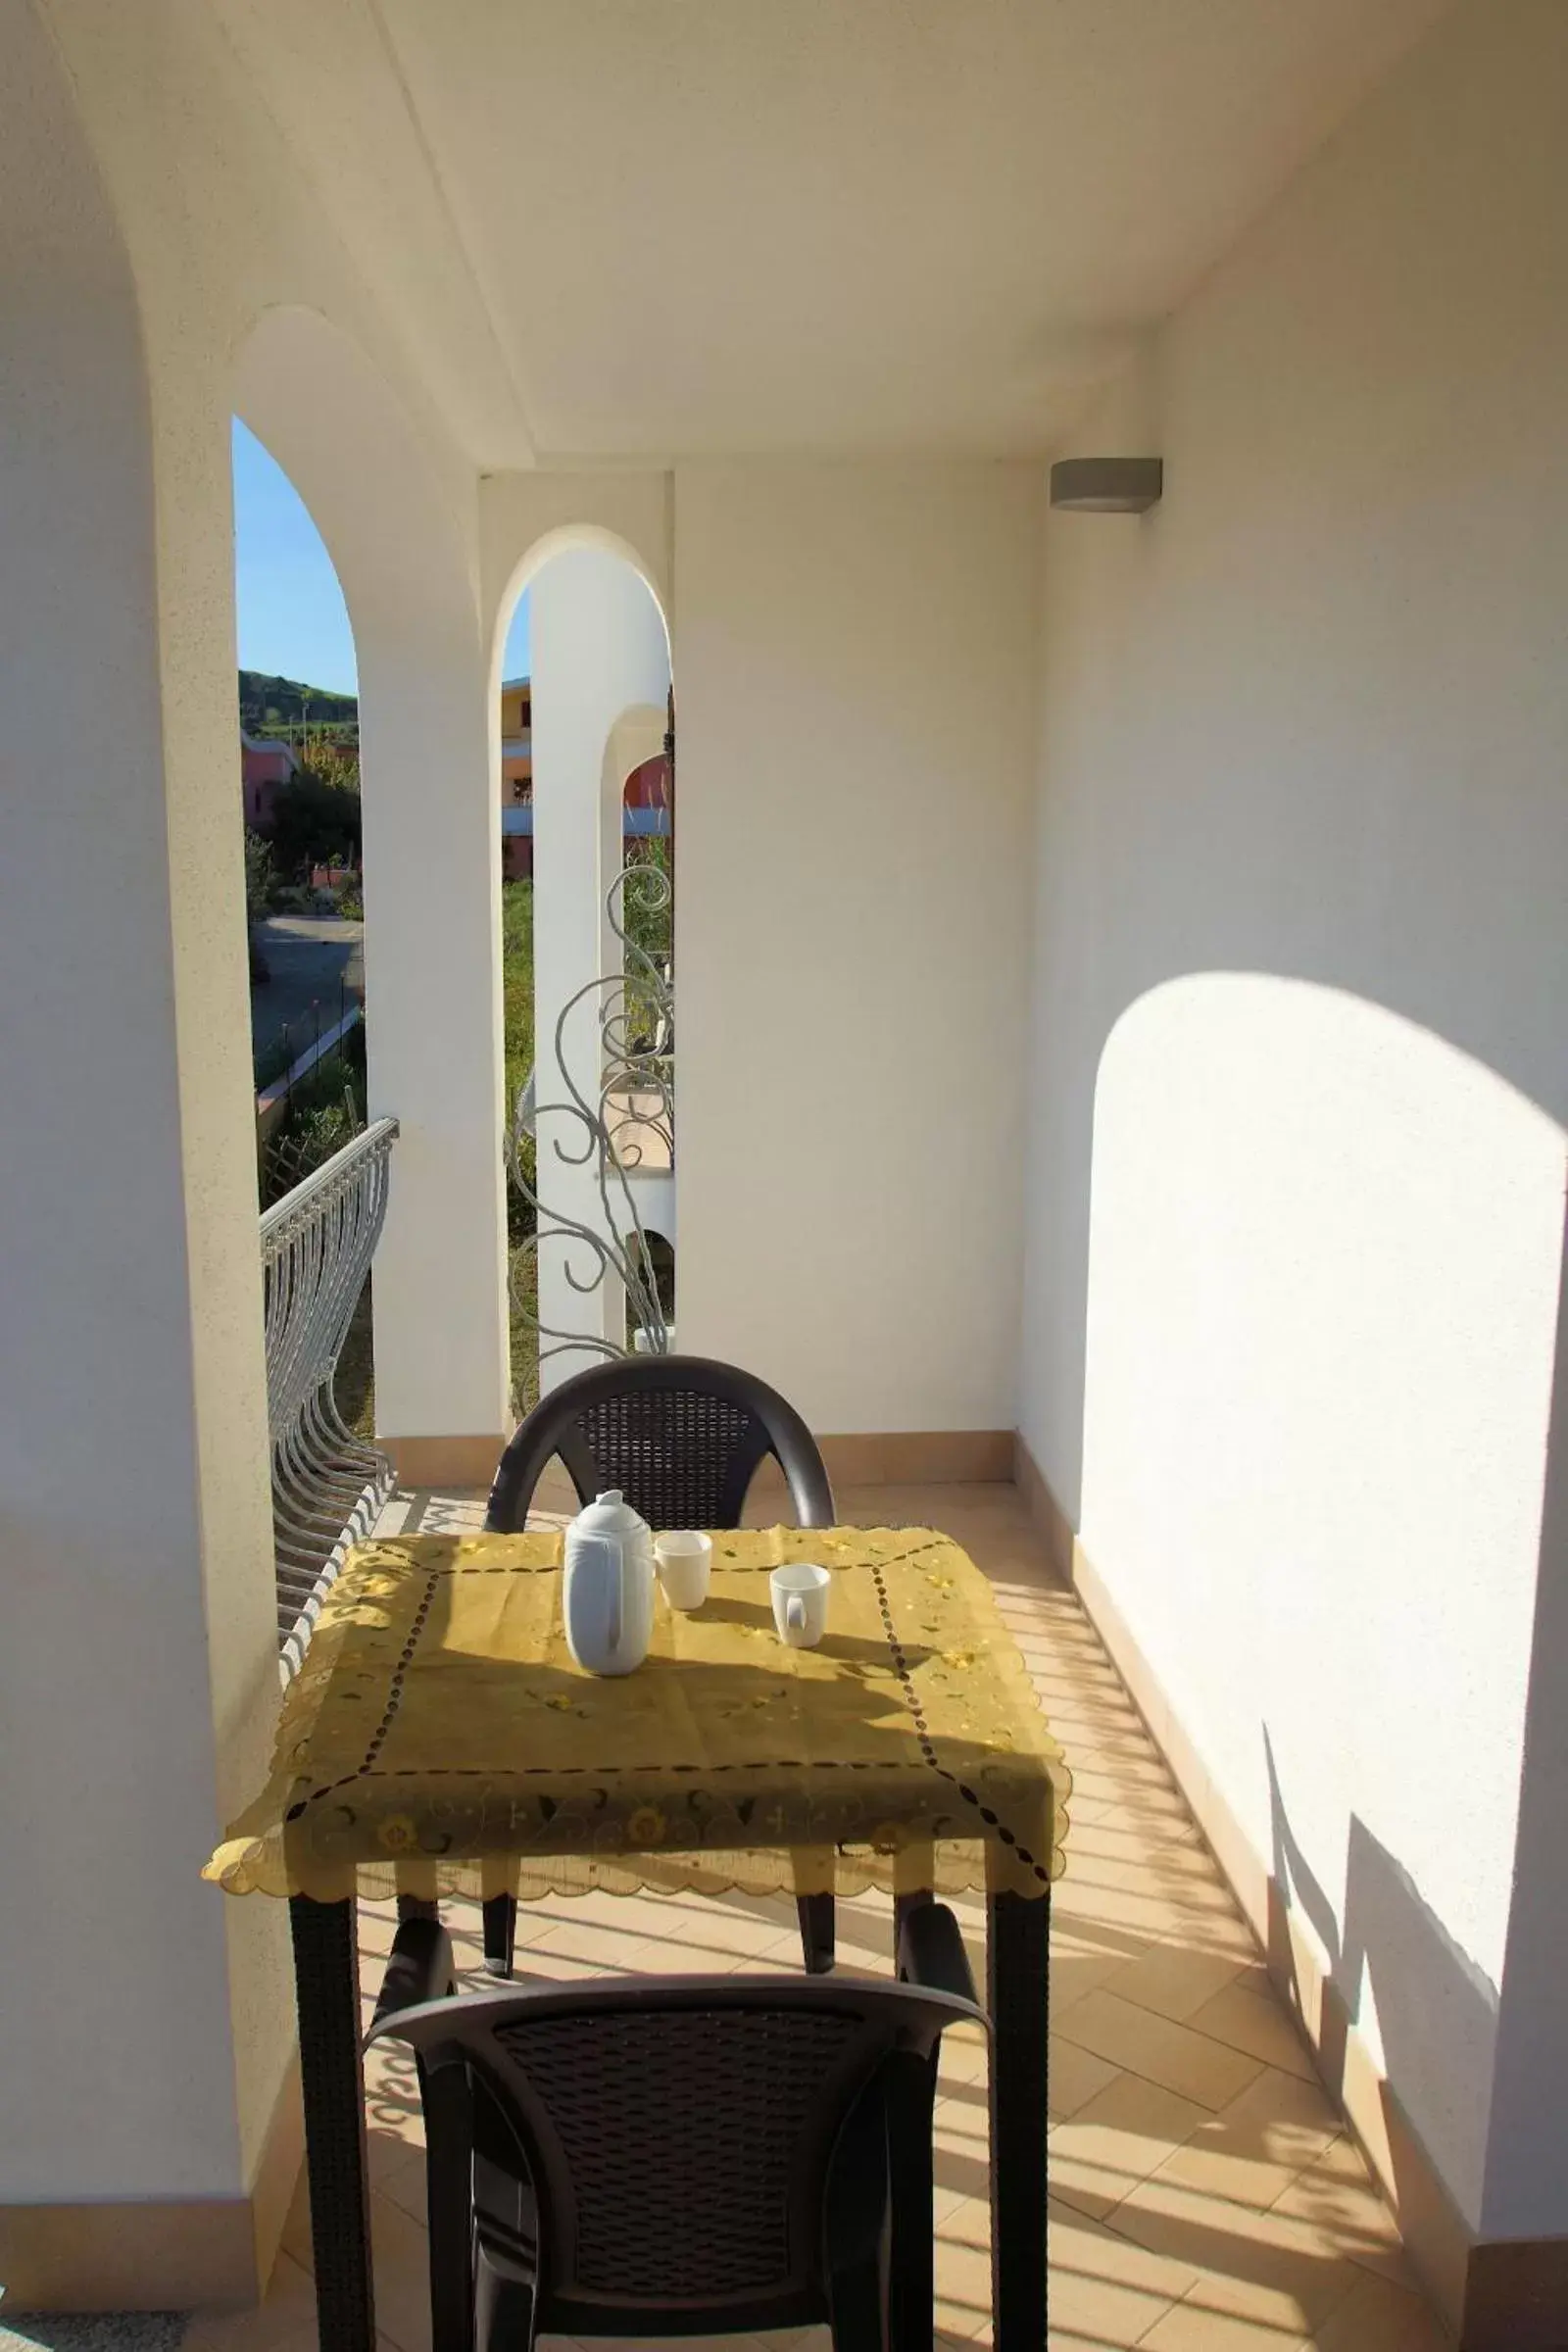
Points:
[432,887]
[432,944]
[145,2020]
[598,648]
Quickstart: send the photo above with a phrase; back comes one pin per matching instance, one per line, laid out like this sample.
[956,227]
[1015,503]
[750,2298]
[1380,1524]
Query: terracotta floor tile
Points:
[1151,1917]
[1174,1979]
[1250,2016]
[1256,2147]
[405,2184]
[1075,1973]
[1071,1691]
[1080,2250]
[965,2057]
[1247,2265]
[1103,2312]
[1182,1876]
[1175,1849]
[1380,2317]
[1084,1931]
[1188,2328]
[733,1924]
[1064,2339]
[627,1950]
[1336,2194]
[1125,2132]
[1084,1808]
[961,2141]
[963,2289]
[295,2241]
[1075,2076]
[1172,2055]
[401,2249]
[284,2321]
[1137,1776]
[392,2093]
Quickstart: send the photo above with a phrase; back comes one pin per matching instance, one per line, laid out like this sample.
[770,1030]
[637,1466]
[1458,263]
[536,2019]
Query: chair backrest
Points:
[680,1435]
[679,2133]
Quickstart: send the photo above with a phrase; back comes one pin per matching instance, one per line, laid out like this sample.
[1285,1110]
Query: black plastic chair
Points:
[680,2155]
[681,1437]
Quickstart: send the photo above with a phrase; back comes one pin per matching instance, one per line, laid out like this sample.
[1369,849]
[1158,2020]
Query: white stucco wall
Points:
[153,223]
[122,1709]
[852,673]
[598,649]
[1295,1176]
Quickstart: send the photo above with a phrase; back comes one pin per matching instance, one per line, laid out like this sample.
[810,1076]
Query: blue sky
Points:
[293,622]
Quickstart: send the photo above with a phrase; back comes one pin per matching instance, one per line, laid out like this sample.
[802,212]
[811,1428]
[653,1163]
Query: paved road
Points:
[308,957]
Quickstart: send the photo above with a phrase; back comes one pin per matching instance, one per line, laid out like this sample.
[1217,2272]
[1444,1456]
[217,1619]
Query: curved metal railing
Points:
[327,1486]
[628,1129]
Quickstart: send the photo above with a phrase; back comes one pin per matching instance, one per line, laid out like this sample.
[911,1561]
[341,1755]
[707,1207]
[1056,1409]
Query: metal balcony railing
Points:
[327,1486]
[624,1132]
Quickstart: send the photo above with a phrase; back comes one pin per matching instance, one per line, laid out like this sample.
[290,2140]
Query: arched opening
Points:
[299,753]
[320,1171]
[585,718]
[427,1193]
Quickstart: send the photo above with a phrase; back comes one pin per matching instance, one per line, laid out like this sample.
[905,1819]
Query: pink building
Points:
[263,767]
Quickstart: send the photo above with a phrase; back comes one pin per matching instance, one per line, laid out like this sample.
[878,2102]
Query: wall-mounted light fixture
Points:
[1107,486]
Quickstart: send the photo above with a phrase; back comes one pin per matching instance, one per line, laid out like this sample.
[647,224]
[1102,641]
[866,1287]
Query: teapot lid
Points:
[608,1514]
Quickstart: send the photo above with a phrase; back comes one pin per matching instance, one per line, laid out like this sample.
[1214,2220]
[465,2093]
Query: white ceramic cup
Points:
[684,1560]
[799,1602]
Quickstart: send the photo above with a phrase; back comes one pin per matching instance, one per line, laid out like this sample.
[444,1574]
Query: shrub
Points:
[260,876]
[316,822]
[325,1111]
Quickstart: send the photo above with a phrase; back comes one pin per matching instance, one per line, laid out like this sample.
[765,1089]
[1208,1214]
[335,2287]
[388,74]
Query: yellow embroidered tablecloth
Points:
[439,1738]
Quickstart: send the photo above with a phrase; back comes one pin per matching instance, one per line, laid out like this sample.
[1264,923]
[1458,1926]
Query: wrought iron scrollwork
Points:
[625,1128]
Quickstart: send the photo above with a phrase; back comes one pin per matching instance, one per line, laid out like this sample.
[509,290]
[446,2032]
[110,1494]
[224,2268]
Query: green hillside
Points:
[275,706]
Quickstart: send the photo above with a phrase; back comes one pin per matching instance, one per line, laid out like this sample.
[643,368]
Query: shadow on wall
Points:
[1324,1249]
[1436,2025]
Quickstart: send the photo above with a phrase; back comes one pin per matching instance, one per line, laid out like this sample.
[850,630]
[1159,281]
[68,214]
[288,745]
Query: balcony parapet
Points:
[327,1486]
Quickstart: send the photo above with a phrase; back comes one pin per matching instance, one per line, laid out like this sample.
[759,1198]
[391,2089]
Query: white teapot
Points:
[609,1599]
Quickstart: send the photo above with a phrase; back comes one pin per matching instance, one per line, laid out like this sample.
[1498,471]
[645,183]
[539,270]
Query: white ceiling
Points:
[677,227]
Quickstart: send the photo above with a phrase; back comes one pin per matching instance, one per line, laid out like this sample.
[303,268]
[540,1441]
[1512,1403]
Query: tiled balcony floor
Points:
[1204,2196]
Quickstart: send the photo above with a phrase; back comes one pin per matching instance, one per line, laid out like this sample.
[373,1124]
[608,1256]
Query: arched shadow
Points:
[1323,1365]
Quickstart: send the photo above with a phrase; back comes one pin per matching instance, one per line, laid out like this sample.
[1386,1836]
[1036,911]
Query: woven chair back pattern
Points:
[722,2101]
[678,1455]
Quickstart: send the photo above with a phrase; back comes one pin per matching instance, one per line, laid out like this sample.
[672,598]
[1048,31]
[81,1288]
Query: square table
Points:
[439,1739]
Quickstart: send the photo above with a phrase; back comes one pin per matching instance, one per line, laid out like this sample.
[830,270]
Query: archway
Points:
[405,554]
[591,1142]
[301,811]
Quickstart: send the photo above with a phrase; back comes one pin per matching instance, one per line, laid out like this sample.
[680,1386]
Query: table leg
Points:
[326,1979]
[500,1915]
[816,1914]
[903,1905]
[1017,1957]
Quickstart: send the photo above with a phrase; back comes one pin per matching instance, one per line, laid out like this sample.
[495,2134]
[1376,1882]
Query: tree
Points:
[332,764]
[313,824]
[316,814]
[258,875]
